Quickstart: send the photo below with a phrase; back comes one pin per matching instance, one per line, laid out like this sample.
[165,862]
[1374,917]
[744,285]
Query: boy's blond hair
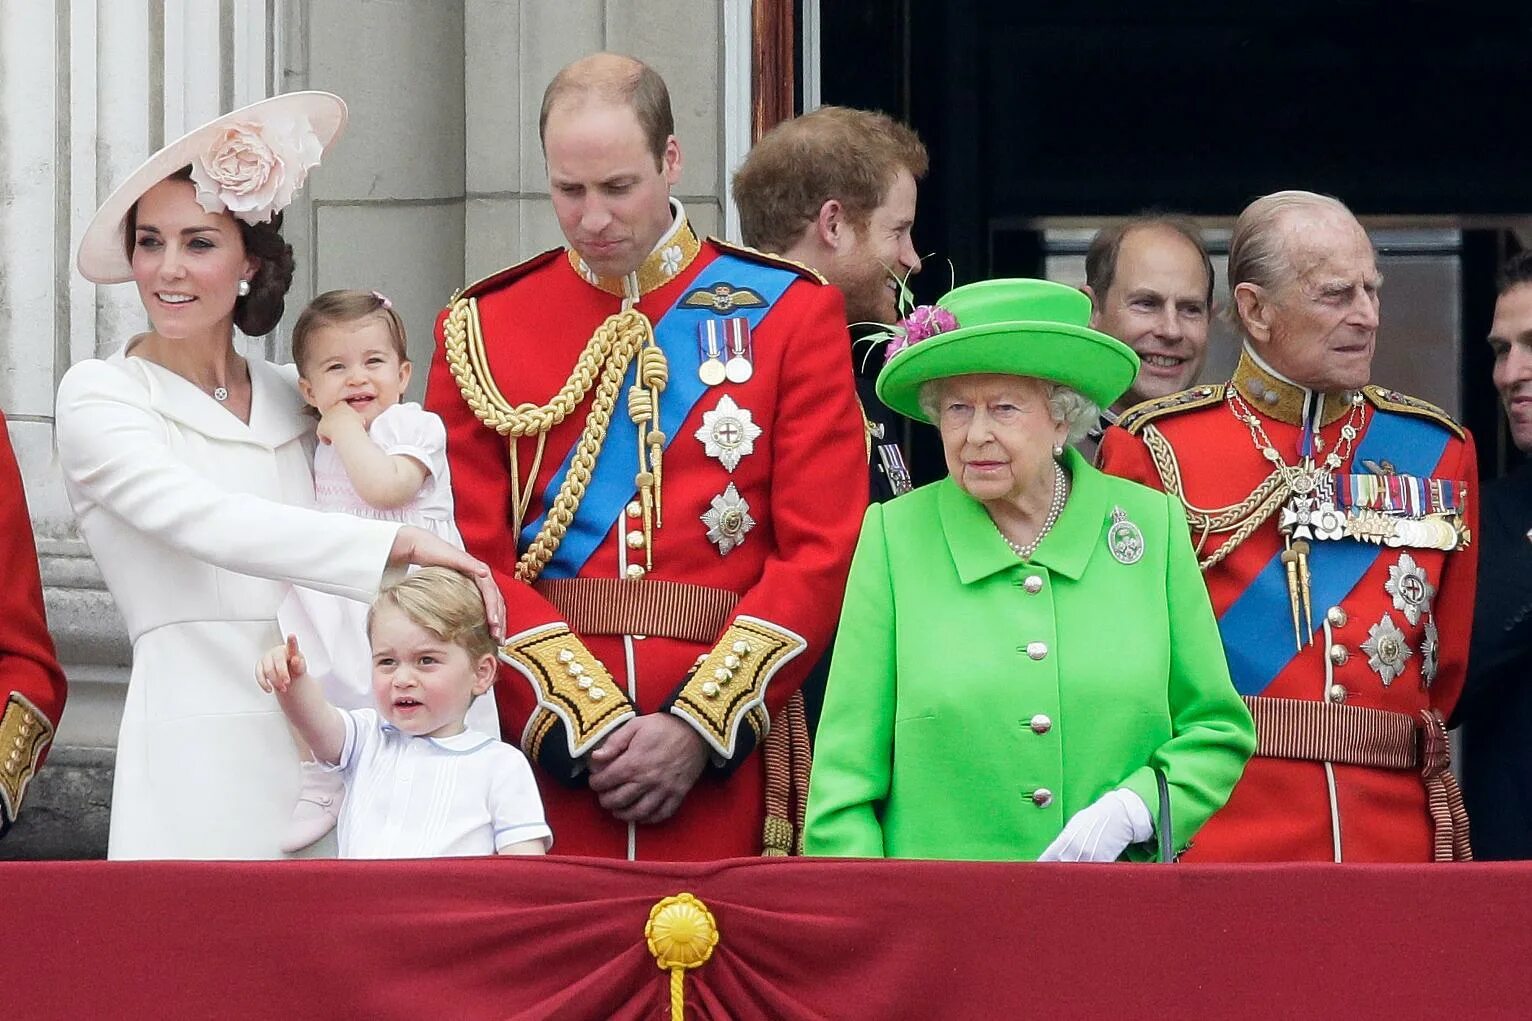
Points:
[445,603]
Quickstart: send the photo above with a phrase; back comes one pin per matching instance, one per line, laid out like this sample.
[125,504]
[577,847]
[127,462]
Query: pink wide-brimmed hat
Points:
[248,163]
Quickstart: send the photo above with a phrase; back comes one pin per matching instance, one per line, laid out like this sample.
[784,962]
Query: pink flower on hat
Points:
[253,170]
[923,323]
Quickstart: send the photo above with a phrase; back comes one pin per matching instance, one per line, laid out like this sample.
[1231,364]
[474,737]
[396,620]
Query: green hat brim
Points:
[1096,365]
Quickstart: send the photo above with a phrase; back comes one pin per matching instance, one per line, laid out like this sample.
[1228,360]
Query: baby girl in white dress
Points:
[377,458]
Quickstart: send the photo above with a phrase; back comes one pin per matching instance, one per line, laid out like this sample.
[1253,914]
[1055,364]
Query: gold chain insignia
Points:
[620,339]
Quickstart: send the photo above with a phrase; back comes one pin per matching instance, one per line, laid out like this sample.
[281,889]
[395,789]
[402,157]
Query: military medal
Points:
[728,520]
[740,366]
[710,345]
[1386,649]
[1411,589]
[1430,649]
[728,433]
[1124,538]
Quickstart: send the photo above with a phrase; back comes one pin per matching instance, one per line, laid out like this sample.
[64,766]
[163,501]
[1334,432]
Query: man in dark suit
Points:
[1496,707]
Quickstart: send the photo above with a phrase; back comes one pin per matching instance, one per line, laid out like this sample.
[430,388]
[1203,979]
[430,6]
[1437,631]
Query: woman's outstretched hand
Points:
[417,546]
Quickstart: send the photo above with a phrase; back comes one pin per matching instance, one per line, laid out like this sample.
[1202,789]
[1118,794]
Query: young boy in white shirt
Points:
[420,784]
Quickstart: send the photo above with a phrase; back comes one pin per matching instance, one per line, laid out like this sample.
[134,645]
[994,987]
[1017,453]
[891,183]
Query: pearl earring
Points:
[243,289]
[1058,450]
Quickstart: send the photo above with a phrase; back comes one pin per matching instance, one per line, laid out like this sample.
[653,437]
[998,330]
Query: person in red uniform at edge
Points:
[31,682]
[1334,523]
[655,442]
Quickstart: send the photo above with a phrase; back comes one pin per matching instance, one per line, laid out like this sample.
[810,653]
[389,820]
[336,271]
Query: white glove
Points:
[1101,831]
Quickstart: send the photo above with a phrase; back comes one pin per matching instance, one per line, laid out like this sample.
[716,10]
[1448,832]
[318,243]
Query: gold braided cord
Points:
[1242,518]
[466,357]
[602,364]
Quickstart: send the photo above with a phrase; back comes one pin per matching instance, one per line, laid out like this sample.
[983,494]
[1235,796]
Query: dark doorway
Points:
[1037,114]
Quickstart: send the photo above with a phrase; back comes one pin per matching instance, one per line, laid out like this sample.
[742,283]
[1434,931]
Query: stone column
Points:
[88,88]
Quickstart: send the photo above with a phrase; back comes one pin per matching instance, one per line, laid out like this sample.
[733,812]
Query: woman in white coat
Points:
[188,468]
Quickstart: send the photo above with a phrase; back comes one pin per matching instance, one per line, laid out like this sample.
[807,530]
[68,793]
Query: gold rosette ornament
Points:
[681,934]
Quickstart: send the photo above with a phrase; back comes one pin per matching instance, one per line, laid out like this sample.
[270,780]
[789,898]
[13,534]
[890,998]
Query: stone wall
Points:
[439,180]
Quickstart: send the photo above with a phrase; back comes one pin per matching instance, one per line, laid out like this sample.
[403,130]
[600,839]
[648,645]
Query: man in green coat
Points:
[1027,642]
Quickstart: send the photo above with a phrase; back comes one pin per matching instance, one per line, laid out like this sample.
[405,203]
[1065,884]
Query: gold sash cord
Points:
[1288,728]
[601,367]
[696,613]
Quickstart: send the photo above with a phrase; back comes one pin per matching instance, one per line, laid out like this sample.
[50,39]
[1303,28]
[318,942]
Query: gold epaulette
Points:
[1140,415]
[756,255]
[1392,400]
[501,277]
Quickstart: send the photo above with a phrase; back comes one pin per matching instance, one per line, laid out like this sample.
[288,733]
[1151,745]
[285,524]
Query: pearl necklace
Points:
[1024,550]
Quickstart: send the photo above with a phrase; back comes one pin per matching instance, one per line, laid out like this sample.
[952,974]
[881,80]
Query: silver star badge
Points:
[728,520]
[1411,590]
[1386,649]
[728,433]
[1430,648]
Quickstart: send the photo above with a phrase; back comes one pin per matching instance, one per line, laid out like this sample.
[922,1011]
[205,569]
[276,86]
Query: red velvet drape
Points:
[801,939]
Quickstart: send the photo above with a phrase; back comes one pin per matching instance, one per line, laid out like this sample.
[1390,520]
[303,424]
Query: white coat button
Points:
[1041,724]
[1042,797]
[1033,584]
[1337,693]
[1037,650]
[1336,616]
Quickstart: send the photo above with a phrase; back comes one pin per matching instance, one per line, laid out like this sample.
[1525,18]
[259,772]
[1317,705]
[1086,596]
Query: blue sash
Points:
[1256,638]
[611,482]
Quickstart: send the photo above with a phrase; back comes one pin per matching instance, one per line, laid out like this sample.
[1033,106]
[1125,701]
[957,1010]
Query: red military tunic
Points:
[1316,808]
[31,682]
[801,480]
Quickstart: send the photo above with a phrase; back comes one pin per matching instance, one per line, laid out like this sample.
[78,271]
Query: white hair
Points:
[1258,250]
[1066,405]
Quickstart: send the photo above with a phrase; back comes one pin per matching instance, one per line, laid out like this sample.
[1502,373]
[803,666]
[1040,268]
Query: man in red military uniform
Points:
[1333,520]
[31,682]
[655,441]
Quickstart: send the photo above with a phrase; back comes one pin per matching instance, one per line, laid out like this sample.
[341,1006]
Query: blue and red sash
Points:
[611,482]
[1256,638]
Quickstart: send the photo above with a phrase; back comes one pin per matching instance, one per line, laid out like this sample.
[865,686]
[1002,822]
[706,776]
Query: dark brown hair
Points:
[1101,257]
[619,80]
[1517,270]
[834,152]
[257,313]
[336,308]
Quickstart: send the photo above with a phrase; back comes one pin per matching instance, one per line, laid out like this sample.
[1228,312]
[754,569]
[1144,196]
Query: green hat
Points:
[1015,327]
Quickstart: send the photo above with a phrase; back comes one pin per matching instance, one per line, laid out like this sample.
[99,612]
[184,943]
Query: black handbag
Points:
[1167,838]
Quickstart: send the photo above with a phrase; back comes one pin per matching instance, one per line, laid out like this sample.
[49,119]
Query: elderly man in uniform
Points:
[31,682]
[1332,520]
[1150,284]
[649,435]
[1496,709]
[834,190]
